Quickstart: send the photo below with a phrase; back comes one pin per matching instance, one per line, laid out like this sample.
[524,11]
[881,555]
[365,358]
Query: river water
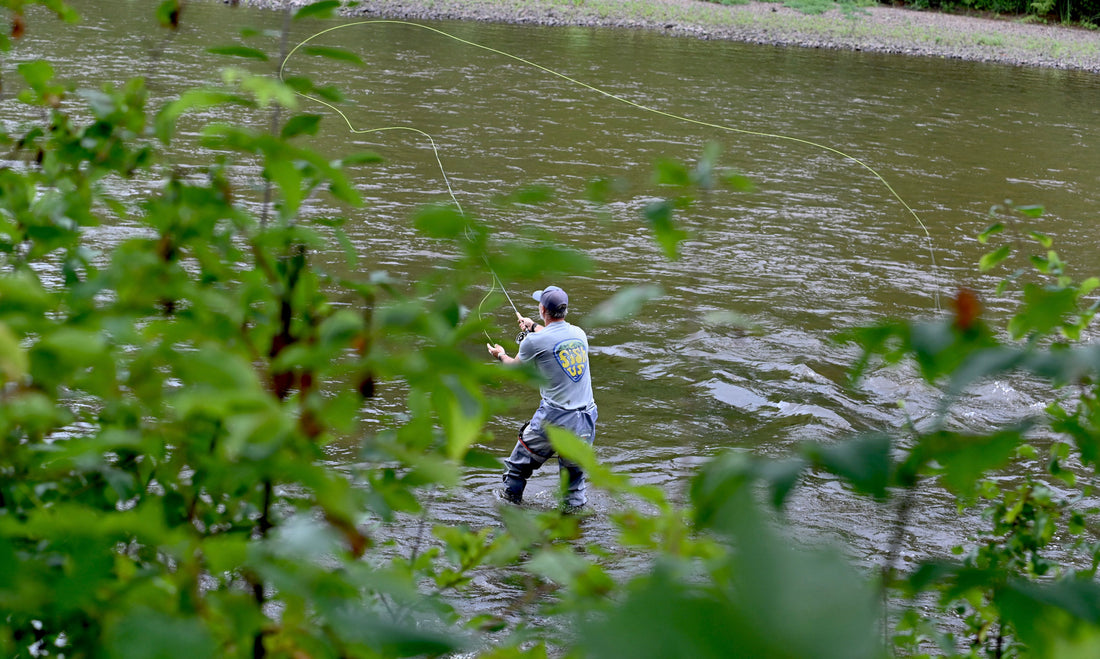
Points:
[820,245]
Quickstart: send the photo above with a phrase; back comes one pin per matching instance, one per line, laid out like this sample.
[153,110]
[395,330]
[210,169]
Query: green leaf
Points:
[863,461]
[929,573]
[990,231]
[225,553]
[769,605]
[322,9]
[351,252]
[1031,211]
[22,294]
[288,179]
[529,195]
[340,328]
[1070,365]
[1060,619]
[671,172]
[355,625]
[706,169]
[168,13]
[248,436]
[440,221]
[360,158]
[600,190]
[1043,310]
[624,303]
[194,99]
[149,634]
[537,258]
[462,413]
[781,476]
[731,319]
[75,346]
[36,72]
[1041,238]
[573,448]
[13,360]
[982,364]
[561,565]
[738,182]
[964,459]
[304,539]
[263,88]
[719,486]
[338,54]
[301,124]
[239,51]
[659,214]
[480,459]
[331,93]
[994,258]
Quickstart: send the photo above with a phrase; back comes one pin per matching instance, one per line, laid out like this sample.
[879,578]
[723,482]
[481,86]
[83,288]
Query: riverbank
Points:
[878,29]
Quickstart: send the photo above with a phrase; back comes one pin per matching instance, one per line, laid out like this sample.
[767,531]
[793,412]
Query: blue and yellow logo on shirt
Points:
[572,357]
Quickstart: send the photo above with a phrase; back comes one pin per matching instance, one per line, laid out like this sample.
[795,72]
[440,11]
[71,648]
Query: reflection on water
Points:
[819,246]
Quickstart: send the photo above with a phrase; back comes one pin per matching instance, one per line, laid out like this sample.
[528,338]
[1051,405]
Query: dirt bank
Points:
[874,29]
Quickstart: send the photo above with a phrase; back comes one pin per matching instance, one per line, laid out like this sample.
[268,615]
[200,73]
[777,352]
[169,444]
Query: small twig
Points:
[893,551]
[276,115]
[264,525]
[901,523]
[422,526]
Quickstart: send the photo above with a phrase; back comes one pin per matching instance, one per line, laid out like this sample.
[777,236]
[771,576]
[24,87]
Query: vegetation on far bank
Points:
[1084,13]
[1034,39]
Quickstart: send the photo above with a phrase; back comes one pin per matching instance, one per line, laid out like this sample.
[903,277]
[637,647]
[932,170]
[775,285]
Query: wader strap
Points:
[529,449]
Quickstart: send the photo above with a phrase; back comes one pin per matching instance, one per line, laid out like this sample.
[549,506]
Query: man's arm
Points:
[497,351]
[526,324]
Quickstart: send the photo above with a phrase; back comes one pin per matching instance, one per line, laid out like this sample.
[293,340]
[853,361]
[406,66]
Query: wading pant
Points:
[533,450]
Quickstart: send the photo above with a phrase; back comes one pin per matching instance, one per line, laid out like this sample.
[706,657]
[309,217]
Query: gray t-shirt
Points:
[560,351]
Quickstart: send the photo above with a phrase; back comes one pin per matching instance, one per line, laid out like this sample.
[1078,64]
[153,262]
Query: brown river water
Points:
[820,245]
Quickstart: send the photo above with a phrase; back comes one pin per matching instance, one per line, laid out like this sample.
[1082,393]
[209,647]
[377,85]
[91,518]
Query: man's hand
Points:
[497,351]
[526,324]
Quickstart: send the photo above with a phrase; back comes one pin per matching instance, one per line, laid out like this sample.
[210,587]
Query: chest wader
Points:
[533,449]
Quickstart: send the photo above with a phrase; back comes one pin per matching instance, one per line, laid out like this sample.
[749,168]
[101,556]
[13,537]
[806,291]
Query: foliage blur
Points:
[165,406]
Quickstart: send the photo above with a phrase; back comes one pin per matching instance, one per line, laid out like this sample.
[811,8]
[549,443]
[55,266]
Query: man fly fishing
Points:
[560,351]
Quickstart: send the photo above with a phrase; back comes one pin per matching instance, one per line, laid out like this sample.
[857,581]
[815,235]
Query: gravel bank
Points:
[874,29]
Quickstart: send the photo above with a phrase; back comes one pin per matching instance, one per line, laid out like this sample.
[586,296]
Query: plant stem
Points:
[276,114]
[264,525]
[901,522]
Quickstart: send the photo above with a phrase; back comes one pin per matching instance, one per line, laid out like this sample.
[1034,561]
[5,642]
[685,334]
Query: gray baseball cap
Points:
[553,298]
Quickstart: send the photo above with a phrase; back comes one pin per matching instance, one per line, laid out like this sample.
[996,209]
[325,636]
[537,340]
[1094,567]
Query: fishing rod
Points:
[602,92]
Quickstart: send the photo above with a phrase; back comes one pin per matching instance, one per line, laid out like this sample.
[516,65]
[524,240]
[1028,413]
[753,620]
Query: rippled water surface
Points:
[819,246]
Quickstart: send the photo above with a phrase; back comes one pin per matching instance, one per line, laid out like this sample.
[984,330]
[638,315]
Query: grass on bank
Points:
[1080,13]
[809,24]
